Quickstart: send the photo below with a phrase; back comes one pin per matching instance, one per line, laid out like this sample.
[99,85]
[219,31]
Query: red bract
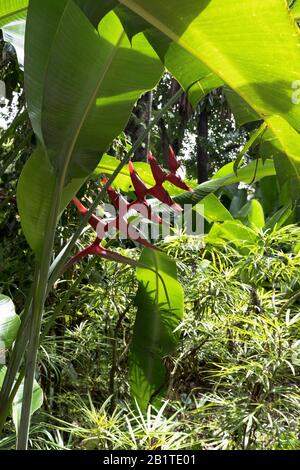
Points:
[115,197]
[119,202]
[178,182]
[174,164]
[139,188]
[97,250]
[93,220]
[157,171]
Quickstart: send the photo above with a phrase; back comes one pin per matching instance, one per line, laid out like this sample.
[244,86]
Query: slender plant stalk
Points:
[39,297]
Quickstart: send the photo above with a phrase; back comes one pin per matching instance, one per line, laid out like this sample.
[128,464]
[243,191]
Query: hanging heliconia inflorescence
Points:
[119,223]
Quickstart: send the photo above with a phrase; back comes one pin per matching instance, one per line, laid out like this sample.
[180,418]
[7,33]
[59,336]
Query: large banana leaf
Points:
[236,41]
[35,194]
[12,10]
[160,311]
[81,86]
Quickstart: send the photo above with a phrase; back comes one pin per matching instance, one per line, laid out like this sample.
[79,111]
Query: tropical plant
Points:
[86,64]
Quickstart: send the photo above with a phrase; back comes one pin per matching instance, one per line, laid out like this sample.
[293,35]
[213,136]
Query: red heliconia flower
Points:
[157,191]
[114,196]
[174,164]
[157,171]
[140,188]
[93,220]
[178,182]
[101,227]
[97,250]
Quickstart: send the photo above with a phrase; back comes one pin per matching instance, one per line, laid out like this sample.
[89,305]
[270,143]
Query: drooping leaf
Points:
[252,140]
[255,214]
[9,322]
[233,232]
[250,173]
[214,210]
[160,310]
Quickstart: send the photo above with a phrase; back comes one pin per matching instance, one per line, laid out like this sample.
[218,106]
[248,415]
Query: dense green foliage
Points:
[144,342]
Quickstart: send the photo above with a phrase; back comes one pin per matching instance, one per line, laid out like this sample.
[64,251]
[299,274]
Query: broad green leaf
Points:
[238,201]
[231,232]
[195,77]
[255,215]
[243,113]
[79,97]
[236,41]
[95,10]
[269,194]
[160,311]
[36,403]
[9,322]
[248,174]
[35,195]
[214,210]
[12,10]
[288,138]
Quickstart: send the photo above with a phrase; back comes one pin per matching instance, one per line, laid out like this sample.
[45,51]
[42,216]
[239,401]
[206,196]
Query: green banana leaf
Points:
[213,209]
[12,10]
[160,311]
[236,41]
[81,86]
